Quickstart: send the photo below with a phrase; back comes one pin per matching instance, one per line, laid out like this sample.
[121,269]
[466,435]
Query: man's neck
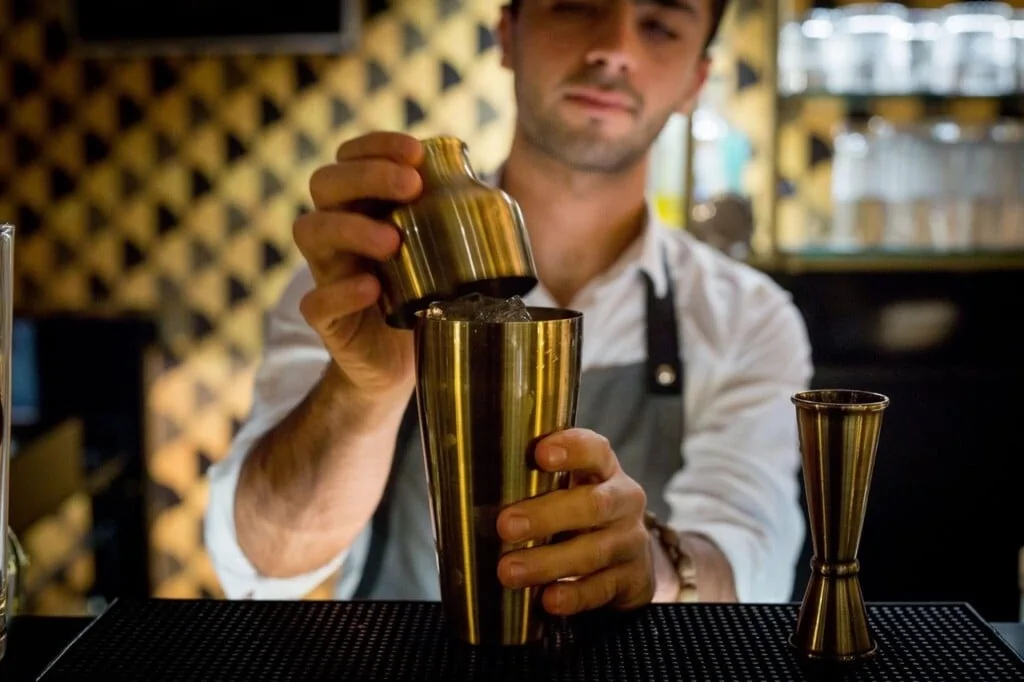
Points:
[579,223]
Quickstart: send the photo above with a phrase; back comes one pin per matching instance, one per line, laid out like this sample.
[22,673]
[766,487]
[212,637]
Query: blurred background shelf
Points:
[921,104]
[823,260]
[859,126]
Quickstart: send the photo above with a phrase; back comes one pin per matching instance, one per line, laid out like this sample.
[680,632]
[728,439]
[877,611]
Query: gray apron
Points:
[639,408]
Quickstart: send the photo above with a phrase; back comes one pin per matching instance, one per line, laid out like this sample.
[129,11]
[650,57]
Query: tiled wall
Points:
[169,186]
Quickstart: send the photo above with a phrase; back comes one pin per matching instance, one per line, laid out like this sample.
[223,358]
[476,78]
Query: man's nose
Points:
[616,41]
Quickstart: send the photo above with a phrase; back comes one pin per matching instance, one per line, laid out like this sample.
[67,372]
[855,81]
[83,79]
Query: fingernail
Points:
[518,526]
[407,180]
[557,455]
[558,599]
[515,571]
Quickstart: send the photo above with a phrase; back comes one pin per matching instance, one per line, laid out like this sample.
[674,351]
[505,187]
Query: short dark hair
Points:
[718,8]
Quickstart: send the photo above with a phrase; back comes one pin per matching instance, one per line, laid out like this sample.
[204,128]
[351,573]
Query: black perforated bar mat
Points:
[309,641]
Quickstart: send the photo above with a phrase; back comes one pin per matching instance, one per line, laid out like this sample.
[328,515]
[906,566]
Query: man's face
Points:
[596,80]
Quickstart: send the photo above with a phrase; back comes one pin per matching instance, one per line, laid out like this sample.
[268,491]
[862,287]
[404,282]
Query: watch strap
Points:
[681,560]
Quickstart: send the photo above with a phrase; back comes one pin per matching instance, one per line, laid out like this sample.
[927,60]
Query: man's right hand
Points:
[340,240]
[311,484]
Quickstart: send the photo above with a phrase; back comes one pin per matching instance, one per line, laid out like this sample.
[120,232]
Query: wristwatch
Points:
[683,562]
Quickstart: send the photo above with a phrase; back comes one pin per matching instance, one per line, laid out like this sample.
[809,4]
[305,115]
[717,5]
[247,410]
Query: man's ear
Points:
[505,42]
[689,102]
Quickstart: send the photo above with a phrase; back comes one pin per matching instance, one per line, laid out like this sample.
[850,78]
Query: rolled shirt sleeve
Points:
[740,484]
[293,361]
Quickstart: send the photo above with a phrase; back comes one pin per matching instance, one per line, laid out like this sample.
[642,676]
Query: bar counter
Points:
[217,640]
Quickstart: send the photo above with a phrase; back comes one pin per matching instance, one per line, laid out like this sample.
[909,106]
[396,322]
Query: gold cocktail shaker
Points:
[839,431]
[486,393]
[460,236]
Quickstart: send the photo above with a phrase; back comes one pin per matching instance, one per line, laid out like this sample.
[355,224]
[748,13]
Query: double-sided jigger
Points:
[839,432]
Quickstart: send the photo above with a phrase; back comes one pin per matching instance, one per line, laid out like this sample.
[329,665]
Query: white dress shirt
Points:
[745,350]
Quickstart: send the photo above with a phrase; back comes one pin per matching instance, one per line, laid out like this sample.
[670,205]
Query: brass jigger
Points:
[839,432]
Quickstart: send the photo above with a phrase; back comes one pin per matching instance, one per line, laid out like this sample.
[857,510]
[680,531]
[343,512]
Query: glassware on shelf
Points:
[1007,139]
[793,59]
[818,30]
[975,50]
[938,186]
[981,189]
[853,190]
[945,214]
[904,186]
[964,48]
[983,193]
[925,29]
[870,50]
[803,52]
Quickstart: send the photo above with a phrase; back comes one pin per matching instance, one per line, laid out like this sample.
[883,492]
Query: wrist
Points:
[368,412]
[714,572]
[666,579]
[675,566]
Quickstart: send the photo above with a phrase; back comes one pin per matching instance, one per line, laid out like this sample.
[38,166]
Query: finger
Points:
[333,186]
[580,451]
[324,306]
[399,147]
[580,508]
[322,235]
[625,586]
[582,555]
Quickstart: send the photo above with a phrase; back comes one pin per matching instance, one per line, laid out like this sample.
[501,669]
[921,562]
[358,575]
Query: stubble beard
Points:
[583,147]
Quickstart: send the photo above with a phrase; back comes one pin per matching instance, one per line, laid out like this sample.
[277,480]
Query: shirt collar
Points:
[645,254]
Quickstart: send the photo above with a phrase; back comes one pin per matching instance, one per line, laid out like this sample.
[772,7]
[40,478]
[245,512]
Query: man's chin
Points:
[597,158]
[590,148]
[597,140]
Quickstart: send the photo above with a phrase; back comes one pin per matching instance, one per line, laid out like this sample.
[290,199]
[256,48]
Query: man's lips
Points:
[599,99]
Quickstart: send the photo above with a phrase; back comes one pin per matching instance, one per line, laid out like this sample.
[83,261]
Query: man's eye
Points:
[659,29]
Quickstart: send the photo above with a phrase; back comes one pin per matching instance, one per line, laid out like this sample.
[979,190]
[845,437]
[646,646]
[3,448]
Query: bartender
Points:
[685,460]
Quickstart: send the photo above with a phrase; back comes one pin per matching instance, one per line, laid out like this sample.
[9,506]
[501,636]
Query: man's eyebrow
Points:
[689,6]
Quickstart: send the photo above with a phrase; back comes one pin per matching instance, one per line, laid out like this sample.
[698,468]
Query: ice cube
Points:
[476,307]
[503,310]
[460,309]
[435,311]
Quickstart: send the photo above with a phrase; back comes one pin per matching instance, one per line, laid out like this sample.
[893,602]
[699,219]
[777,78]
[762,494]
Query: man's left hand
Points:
[609,552]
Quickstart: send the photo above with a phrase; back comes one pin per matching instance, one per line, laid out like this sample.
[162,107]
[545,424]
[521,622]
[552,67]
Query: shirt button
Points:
[665,375]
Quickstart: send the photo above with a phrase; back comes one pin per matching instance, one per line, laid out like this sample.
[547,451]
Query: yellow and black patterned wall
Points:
[168,186]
